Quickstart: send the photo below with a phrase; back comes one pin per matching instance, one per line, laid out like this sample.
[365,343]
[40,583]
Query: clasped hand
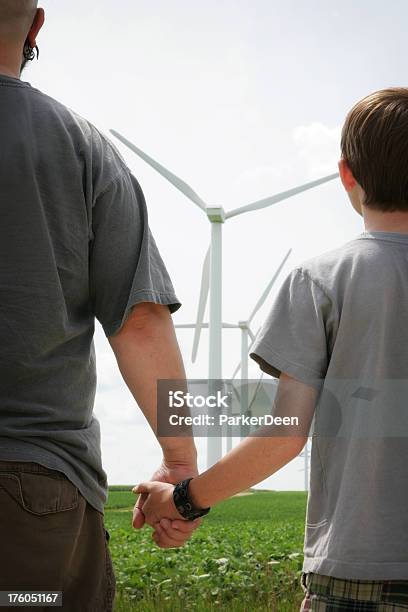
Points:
[159,511]
[155,505]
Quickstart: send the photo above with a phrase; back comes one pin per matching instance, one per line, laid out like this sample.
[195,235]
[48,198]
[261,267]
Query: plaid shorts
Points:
[329,594]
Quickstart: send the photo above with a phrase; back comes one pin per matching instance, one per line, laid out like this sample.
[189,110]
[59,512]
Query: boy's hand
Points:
[159,503]
[171,533]
[170,529]
[170,471]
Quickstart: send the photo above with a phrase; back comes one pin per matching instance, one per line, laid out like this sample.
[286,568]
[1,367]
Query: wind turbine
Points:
[212,268]
[246,333]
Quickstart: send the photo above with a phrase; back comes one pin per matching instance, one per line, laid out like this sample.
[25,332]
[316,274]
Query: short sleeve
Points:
[293,338]
[125,266]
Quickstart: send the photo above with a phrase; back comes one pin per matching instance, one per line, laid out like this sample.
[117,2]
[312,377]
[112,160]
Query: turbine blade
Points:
[172,178]
[189,325]
[237,369]
[202,302]
[265,294]
[236,393]
[279,196]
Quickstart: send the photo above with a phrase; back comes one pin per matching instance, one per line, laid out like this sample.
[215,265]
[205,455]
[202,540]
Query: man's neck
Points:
[10,61]
[379,221]
[4,70]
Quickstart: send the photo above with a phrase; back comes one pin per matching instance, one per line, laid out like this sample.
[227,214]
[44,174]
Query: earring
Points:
[28,52]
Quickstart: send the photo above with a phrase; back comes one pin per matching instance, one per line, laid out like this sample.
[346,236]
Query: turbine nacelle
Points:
[216,214]
[243,325]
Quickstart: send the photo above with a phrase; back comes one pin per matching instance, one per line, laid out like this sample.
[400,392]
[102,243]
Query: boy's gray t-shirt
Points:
[340,324]
[75,244]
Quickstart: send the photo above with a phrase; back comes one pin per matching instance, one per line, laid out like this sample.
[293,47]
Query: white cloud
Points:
[317,147]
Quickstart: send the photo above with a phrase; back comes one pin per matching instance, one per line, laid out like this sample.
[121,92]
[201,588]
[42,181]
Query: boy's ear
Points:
[346,176]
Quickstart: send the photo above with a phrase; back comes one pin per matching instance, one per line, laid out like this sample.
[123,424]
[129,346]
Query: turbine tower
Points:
[212,268]
[305,454]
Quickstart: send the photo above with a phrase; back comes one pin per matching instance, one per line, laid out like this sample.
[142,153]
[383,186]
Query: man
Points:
[75,244]
[338,332]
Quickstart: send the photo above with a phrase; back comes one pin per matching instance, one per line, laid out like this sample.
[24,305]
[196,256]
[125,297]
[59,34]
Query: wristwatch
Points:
[183,502]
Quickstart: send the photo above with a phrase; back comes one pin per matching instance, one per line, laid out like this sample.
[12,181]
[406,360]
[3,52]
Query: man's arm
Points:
[146,349]
[250,462]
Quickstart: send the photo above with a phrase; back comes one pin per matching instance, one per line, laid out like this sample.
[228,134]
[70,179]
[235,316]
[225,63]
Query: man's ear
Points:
[36,27]
[346,176]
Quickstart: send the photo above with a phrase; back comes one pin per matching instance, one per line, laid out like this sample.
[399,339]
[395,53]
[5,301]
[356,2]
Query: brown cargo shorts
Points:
[52,539]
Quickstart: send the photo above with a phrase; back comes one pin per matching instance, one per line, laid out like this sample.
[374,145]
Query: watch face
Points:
[184,509]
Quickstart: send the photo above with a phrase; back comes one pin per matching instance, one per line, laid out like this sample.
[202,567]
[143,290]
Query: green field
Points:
[247,555]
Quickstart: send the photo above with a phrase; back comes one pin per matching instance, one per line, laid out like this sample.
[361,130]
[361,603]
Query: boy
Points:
[337,335]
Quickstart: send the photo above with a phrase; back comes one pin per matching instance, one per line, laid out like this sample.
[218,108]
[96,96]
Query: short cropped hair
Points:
[15,18]
[374,143]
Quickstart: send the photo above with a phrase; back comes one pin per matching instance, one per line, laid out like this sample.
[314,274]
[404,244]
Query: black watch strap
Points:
[183,502]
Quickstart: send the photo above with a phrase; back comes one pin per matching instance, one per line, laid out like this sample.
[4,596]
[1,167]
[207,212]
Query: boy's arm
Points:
[260,456]
[254,459]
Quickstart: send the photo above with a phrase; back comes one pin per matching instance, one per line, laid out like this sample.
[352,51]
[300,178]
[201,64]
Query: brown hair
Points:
[374,143]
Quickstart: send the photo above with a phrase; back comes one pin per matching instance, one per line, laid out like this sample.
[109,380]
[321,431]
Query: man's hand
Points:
[172,534]
[168,533]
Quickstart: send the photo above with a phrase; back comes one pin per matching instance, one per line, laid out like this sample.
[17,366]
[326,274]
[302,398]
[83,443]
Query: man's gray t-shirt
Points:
[75,244]
[340,323]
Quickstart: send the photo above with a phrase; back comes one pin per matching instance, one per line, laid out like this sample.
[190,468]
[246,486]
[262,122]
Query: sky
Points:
[241,99]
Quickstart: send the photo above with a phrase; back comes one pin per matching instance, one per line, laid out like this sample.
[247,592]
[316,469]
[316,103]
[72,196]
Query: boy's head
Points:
[374,151]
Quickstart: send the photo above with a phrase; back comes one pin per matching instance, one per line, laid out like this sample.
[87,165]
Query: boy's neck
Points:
[379,221]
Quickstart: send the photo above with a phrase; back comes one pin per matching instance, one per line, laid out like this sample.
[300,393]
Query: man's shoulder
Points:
[88,140]
[53,108]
